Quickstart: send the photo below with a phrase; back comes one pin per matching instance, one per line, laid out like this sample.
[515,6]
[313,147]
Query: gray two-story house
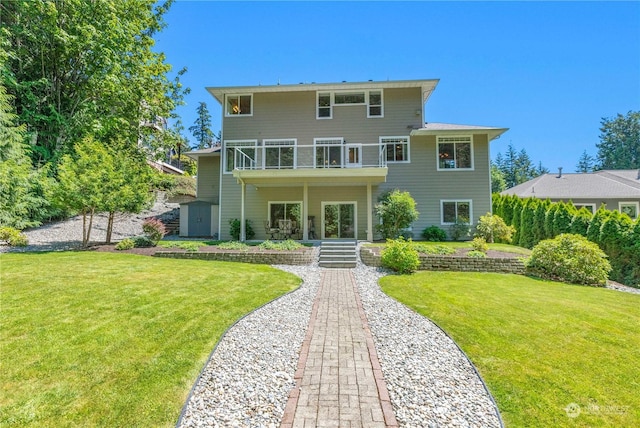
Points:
[310,160]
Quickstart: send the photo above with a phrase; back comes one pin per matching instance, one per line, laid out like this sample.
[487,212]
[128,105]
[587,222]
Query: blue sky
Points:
[549,71]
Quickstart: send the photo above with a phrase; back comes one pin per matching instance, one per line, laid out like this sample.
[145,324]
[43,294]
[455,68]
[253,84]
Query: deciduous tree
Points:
[397,210]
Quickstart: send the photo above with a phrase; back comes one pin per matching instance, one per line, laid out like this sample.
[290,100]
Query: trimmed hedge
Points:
[615,233]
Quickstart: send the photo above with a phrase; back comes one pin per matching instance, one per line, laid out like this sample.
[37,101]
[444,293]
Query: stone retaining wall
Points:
[449,263]
[268,258]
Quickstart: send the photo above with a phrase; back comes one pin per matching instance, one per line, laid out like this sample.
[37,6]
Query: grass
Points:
[539,345]
[100,339]
[506,248]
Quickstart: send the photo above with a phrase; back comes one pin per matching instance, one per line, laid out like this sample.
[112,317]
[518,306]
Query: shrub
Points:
[13,237]
[143,242]
[234,229]
[441,250]
[493,228]
[233,245]
[434,234]
[476,254]
[154,229]
[580,222]
[396,210]
[570,258]
[288,245]
[400,256]
[460,229]
[125,244]
[479,244]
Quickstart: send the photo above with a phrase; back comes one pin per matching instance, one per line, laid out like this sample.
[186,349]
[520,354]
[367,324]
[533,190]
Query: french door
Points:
[339,220]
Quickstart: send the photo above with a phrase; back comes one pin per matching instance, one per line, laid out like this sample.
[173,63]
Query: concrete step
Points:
[338,254]
[338,264]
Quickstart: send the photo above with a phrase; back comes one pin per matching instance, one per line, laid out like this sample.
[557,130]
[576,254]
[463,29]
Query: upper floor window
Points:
[239,155]
[374,107]
[328,152]
[326,101]
[239,105]
[455,153]
[397,148]
[324,105]
[279,154]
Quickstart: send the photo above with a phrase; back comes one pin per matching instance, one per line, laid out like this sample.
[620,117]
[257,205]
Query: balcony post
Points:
[369,214]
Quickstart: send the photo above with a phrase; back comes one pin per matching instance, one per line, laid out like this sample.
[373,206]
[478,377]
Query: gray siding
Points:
[428,186]
[208,184]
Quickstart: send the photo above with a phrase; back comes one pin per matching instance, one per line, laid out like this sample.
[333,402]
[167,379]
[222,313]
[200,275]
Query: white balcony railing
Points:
[345,155]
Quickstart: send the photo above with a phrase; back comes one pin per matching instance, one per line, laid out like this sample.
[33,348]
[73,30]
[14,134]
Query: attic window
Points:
[239,105]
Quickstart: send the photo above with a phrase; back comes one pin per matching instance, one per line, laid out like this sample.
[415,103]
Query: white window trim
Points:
[473,160]
[397,138]
[282,202]
[593,206]
[634,203]
[332,103]
[289,142]
[381,115]
[226,105]
[337,141]
[469,201]
[235,143]
[330,107]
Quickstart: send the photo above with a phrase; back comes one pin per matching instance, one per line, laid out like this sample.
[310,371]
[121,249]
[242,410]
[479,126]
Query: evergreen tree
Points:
[580,222]
[201,128]
[498,184]
[517,167]
[586,163]
[619,146]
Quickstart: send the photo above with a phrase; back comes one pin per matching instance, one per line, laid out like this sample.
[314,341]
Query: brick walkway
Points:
[339,381]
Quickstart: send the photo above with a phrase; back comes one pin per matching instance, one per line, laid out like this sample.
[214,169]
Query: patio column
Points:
[369,214]
[243,231]
[305,211]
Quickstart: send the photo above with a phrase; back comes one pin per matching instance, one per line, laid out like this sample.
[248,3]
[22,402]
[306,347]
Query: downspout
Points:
[243,230]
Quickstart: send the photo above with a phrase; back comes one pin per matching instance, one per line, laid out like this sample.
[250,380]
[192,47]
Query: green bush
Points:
[593,231]
[143,242]
[460,229]
[580,222]
[479,244]
[396,210]
[434,234]
[125,244]
[154,229]
[441,250]
[233,245]
[570,258]
[493,228]
[287,245]
[400,256]
[234,229]
[476,254]
[13,237]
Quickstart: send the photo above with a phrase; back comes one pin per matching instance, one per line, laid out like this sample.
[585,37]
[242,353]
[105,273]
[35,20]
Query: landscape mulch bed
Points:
[462,252]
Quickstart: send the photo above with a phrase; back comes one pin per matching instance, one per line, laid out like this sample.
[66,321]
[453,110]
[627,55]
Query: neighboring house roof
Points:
[427,86]
[437,128]
[211,151]
[606,184]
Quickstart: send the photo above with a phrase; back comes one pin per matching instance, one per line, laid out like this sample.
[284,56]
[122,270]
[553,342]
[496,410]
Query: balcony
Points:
[332,162]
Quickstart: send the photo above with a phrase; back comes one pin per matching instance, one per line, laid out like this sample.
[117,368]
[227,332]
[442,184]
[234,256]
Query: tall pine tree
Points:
[201,128]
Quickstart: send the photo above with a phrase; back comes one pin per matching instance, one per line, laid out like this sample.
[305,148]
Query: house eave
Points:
[493,133]
[313,176]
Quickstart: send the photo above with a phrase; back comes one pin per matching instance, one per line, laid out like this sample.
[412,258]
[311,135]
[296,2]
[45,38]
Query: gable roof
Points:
[427,87]
[438,128]
[211,151]
[605,184]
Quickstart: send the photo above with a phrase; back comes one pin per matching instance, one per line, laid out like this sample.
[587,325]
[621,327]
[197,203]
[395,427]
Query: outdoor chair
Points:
[272,232]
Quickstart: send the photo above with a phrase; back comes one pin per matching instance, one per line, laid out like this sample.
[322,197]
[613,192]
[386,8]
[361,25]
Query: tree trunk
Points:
[110,227]
[84,228]
[86,244]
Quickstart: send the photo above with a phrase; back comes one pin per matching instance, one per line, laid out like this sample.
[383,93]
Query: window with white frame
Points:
[589,207]
[324,105]
[239,155]
[372,99]
[279,154]
[629,208]
[328,152]
[374,107]
[285,211]
[450,210]
[455,153]
[239,105]
[396,148]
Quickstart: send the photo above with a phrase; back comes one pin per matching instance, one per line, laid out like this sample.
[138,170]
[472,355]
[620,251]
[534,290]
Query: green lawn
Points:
[539,345]
[100,339]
